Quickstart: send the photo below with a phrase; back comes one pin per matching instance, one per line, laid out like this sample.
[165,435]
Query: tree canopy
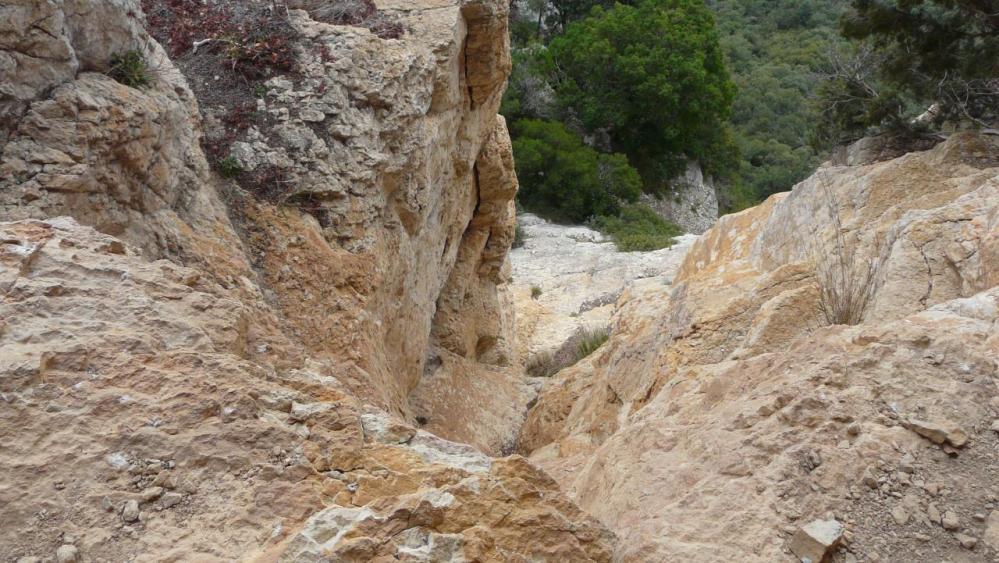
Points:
[564,179]
[653,77]
[909,56]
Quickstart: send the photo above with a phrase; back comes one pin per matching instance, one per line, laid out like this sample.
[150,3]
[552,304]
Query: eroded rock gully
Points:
[189,371]
[328,370]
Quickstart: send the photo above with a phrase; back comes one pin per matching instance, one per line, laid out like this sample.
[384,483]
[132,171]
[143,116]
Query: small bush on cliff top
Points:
[130,69]
[252,42]
[359,13]
[229,167]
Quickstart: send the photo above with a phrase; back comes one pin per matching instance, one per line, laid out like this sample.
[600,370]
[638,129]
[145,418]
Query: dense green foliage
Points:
[563,179]
[776,50]
[650,79]
[645,85]
[909,55]
[637,227]
[653,77]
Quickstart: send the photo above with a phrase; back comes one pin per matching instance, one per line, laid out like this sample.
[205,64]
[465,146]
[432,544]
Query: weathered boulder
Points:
[731,407]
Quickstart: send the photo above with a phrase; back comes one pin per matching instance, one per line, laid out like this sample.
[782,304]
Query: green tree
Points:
[653,76]
[565,180]
[912,54]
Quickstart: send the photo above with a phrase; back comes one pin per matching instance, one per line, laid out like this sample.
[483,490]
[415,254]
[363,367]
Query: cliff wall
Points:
[221,285]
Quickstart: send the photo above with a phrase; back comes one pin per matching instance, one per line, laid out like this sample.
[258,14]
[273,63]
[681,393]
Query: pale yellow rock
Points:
[264,361]
[737,361]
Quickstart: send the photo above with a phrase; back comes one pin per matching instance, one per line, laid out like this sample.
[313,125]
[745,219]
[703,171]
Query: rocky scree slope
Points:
[734,417]
[194,370]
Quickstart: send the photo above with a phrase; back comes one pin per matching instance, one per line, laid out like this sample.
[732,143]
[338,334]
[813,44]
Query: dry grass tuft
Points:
[847,281]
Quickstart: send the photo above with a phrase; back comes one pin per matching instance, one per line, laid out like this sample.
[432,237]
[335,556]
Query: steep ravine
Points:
[227,301]
[272,316]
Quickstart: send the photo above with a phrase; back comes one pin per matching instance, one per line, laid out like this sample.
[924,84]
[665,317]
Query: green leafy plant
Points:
[130,68]
[535,292]
[563,179]
[913,65]
[229,167]
[638,228]
[519,237]
[653,77]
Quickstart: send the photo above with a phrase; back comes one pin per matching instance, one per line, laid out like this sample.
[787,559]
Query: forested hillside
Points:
[778,51]
[737,77]
[754,91]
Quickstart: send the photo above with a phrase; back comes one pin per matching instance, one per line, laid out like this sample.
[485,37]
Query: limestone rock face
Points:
[566,280]
[194,371]
[75,142]
[729,410]
[692,204]
[150,386]
[394,164]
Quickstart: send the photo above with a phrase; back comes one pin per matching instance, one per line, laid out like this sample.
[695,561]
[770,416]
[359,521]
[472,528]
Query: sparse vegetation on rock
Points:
[130,68]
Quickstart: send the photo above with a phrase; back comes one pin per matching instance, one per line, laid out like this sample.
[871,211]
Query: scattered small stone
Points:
[816,540]
[907,464]
[130,511]
[932,489]
[165,479]
[900,515]
[853,429]
[29,559]
[171,499]
[991,535]
[67,554]
[934,513]
[869,479]
[921,537]
[938,433]
[106,504]
[950,521]
[979,516]
[151,494]
[967,542]
[812,460]
[995,425]
[312,115]
[59,485]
